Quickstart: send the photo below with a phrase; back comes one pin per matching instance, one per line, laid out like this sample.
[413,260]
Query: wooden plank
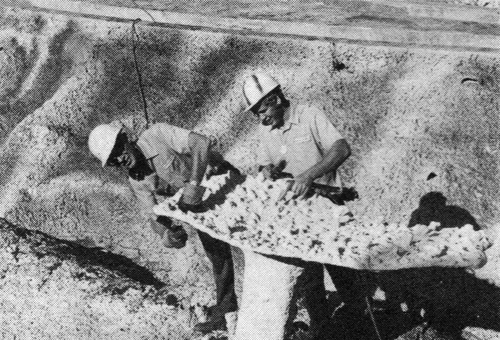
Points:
[356,22]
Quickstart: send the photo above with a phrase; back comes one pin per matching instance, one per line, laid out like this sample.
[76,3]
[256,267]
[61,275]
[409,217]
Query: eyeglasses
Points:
[117,151]
[265,104]
[112,162]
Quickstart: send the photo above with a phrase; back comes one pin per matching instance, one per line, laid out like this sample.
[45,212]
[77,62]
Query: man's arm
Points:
[336,151]
[172,236]
[199,147]
[337,154]
[144,192]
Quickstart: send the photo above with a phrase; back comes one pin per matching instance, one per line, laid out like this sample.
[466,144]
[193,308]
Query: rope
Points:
[135,38]
[372,318]
[471,335]
[362,277]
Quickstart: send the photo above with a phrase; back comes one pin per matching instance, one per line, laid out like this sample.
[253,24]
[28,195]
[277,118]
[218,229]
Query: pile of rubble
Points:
[246,212]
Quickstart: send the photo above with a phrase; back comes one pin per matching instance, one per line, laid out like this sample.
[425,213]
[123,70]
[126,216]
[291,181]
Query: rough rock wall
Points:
[418,121]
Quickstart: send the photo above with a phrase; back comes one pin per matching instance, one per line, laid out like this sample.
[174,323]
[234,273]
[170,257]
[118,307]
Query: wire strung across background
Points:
[135,38]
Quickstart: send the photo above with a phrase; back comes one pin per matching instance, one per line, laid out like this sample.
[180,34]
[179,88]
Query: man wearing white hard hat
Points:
[302,141]
[164,159]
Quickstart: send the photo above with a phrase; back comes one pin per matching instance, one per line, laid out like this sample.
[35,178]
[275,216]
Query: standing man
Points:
[302,138]
[164,159]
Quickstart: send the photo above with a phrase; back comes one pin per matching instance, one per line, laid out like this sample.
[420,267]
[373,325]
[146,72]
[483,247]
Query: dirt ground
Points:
[80,253]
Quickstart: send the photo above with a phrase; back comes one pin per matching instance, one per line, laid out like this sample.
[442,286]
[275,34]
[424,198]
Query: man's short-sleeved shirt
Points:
[166,146]
[302,142]
[167,151]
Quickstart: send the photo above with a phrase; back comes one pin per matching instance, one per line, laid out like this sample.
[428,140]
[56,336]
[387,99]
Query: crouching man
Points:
[302,141]
[164,159]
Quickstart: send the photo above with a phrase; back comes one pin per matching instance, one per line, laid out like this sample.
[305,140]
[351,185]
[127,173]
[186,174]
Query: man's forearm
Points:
[199,146]
[337,154]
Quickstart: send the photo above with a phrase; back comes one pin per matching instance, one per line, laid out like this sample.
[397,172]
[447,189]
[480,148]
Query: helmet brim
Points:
[264,95]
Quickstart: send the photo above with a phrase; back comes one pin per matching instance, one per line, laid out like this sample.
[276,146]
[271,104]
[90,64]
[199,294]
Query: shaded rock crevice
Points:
[43,247]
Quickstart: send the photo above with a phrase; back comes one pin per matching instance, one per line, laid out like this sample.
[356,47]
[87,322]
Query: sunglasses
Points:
[265,104]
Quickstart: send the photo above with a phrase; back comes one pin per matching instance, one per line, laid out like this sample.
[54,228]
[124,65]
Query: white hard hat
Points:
[256,87]
[102,141]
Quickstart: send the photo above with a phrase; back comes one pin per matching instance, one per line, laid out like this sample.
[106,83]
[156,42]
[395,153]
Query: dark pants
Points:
[350,286]
[347,281]
[219,253]
[310,285]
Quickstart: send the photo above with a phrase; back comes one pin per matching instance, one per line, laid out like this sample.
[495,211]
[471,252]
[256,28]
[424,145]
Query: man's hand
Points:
[274,172]
[172,236]
[175,237]
[267,171]
[301,184]
[191,198]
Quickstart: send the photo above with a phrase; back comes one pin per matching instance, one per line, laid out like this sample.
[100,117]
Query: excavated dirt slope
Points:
[84,293]
[418,121]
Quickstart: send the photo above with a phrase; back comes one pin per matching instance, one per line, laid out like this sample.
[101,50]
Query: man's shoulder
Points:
[151,138]
[312,113]
[157,129]
[150,130]
[307,112]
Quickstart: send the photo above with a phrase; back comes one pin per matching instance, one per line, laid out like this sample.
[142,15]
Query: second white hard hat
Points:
[102,141]
[256,87]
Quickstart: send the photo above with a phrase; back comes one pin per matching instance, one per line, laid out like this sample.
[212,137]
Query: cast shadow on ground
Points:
[91,259]
[446,299]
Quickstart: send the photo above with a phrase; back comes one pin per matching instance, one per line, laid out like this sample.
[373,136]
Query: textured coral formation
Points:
[249,215]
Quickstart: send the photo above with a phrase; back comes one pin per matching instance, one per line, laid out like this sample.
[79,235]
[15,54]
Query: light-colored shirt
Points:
[167,151]
[302,142]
